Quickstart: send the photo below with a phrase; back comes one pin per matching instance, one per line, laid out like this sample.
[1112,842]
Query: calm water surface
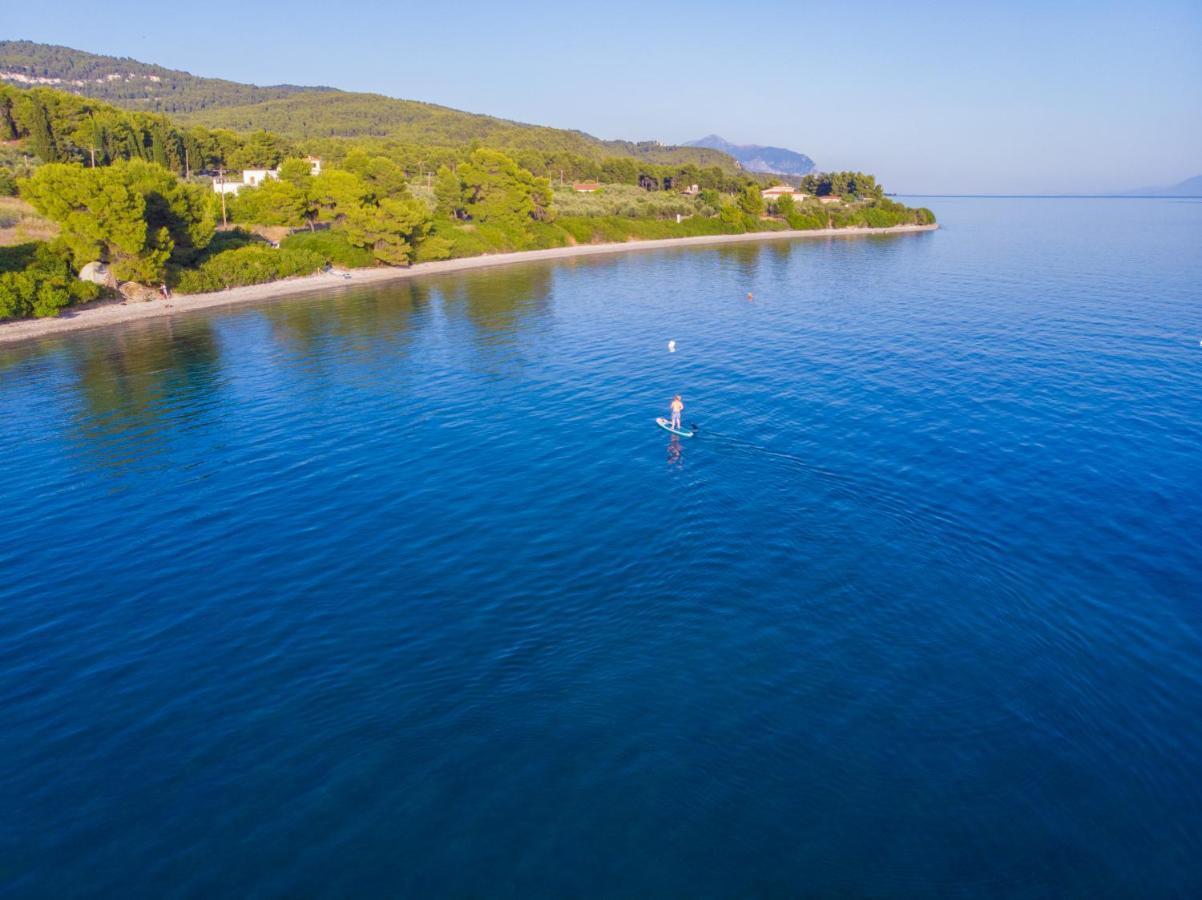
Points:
[401,591]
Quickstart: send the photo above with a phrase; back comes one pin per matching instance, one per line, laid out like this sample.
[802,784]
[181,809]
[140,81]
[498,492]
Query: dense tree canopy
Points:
[842,184]
[497,191]
[367,199]
[133,215]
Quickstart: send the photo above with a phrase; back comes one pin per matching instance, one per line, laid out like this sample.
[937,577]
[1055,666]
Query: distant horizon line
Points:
[1061,196]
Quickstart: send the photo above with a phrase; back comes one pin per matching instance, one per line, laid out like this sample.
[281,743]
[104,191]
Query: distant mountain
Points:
[308,112]
[1191,187]
[754,158]
[127,82]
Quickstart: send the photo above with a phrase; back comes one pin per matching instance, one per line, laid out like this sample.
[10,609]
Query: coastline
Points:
[114,312]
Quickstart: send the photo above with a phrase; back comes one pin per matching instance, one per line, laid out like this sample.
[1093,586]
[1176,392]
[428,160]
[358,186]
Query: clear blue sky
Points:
[933,97]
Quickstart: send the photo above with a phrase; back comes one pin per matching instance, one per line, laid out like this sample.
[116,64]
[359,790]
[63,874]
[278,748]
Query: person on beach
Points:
[677,409]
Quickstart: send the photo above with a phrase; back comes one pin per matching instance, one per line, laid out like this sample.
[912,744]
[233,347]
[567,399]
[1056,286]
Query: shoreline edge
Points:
[114,313]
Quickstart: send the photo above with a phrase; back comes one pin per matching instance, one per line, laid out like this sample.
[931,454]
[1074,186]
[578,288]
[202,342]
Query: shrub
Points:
[806,222]
[733,218]
[333,246]
[843,217]
[546,236]
[252,264]
[45,286]
[881,218]
[433,247]
[465,240]
[8,184]
[610,229]
[18,256]
[17,290]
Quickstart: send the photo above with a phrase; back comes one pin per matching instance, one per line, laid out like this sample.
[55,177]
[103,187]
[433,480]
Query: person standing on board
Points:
[677,409]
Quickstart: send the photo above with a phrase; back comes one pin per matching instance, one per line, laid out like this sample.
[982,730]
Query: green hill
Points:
[340,114]
[304,113]
[126,82]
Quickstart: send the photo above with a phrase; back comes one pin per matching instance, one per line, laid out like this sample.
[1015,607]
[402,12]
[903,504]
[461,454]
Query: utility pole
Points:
[187,165]
[93,152]
[221,175]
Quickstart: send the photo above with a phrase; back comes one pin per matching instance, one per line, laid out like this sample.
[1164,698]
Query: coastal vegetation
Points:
[134,192]
[37,279]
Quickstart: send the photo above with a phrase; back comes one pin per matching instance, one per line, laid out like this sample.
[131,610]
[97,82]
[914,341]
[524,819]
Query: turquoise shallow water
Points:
[402,591]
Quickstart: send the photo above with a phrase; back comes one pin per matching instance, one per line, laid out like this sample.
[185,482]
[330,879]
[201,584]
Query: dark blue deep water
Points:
[401,591]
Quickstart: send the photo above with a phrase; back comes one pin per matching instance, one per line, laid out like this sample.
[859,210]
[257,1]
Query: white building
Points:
[255,177]
[783,190]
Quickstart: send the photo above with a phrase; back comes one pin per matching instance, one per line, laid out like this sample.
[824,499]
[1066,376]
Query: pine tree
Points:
[41,137]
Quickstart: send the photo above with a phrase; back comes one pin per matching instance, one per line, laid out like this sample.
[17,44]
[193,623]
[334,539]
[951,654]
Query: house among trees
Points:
[586,187]
[775,192]
[255,177]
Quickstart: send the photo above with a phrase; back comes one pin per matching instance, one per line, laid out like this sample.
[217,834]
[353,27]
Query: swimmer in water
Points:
[677,409]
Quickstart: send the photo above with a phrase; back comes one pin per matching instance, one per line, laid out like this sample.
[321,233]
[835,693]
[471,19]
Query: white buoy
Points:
[671,346]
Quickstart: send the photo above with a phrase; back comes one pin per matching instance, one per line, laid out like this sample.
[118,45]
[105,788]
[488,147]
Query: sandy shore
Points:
[101,314]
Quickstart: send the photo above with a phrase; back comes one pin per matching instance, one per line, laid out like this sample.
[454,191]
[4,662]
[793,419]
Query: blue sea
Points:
[400,591]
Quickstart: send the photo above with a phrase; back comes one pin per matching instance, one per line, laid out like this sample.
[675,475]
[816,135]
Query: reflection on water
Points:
[136,384]
[132,371]
[497,302]
[675,455]
[745,258]
[129,388]
[387,313]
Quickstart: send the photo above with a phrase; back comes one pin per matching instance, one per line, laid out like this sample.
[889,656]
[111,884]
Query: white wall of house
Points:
[255,177]
[773,193]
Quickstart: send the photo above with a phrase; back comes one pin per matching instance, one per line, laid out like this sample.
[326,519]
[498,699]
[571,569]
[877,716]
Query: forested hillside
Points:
[302,113]
[338,114]
[124,81]
[54,126]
